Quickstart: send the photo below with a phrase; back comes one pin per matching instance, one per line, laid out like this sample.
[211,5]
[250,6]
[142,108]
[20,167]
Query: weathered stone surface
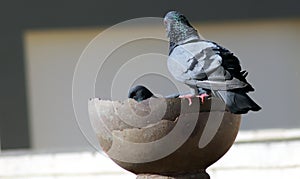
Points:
[135,134]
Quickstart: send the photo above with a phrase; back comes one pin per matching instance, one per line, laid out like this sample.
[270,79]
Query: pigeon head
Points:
[178,27]
[140,93]
[176,18]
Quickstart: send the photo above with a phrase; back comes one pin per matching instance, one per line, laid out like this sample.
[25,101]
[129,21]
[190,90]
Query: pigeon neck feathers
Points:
[180,39]
[179,30]
[181,33]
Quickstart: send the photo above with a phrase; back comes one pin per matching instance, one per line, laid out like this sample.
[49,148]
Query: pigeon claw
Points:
[188,97]
[202,97]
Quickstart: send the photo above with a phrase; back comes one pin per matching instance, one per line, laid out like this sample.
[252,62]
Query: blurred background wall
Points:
[41,43]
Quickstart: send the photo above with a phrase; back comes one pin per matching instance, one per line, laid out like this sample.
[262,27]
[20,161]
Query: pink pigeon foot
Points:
[187,96]
[190,96]
[202,96]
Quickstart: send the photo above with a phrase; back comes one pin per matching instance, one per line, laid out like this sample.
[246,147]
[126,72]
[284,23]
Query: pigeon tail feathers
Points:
[238,102]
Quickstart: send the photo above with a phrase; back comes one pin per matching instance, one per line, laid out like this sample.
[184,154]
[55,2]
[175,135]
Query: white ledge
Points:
[269,135]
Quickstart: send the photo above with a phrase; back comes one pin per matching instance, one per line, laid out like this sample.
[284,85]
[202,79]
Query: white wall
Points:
[269,50]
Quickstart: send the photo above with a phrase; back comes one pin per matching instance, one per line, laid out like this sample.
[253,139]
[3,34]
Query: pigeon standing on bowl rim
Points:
[206,67]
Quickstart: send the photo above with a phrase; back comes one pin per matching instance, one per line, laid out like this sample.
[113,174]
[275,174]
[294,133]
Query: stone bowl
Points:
[161,136]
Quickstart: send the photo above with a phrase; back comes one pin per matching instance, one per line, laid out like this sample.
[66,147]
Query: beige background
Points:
[269,50]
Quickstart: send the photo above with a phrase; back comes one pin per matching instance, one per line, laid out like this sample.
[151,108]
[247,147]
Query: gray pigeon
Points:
[206,67]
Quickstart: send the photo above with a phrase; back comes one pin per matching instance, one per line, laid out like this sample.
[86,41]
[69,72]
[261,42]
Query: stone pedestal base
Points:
[202,175]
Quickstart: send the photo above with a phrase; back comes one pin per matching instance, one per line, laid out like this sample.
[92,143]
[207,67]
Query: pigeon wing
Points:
[189,61]
[201,64]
